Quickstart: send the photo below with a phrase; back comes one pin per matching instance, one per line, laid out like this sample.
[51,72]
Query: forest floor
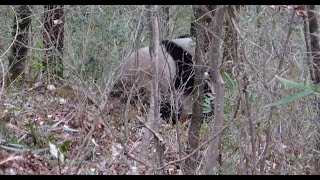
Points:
[38,125]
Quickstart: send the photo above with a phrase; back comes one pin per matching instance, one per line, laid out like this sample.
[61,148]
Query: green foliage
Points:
[230,166]
[3,129]
[37,67]
[97,37]
[30,142]
[207,103]
[14,139]
[65,146]
[209,98]
[51,137]
[37,140]
[36,58]
[205,128]
[305,90]
[19,148]
[14,148]
[299,95]
[230,81]
[294,85]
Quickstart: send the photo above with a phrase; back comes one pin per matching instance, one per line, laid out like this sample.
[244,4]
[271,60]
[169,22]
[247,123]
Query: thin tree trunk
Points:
[231,56]
[207,18]
[140,27]
[193,29]
[259,23]
[307,40]
[243,83]
[230,41]
[169,20]
[228,50]
[197,115]
[210,159]
[154,113]
[18,56]
[172,20]
[315,48]
[166,22]
[315,52]
[53,37]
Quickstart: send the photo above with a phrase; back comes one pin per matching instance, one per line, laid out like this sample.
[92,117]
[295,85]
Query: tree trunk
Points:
[166,22]
[259,23]
[197,115]
[154,111]
[53,38]
[216,26]
[307,41]
[20,34]
[207,18]
[230,51]
[193,29]
[315,52]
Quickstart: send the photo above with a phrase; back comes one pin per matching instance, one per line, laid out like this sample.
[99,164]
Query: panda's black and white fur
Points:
[182,52]
[175,67]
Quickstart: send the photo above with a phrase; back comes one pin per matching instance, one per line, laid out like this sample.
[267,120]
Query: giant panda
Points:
[176,73]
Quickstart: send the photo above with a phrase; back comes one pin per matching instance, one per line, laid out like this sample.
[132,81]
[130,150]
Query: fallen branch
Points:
[158,135]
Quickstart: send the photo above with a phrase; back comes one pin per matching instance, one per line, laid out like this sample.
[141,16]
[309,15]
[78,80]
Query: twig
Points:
[158,135]
[87,138]
[195,151]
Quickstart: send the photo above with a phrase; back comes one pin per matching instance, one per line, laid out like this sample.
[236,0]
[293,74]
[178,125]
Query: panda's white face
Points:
[187,44]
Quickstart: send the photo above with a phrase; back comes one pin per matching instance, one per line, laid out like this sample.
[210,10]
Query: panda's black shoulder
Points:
[168,43]
[171,46]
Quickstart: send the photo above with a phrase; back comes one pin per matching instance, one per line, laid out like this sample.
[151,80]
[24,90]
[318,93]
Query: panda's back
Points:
[141,69]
